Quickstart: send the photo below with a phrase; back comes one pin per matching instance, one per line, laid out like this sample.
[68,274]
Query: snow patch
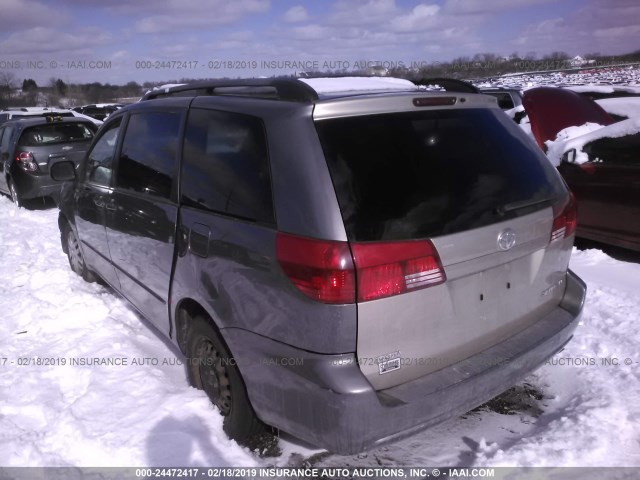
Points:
[577,137]
[623,107]
[349,84]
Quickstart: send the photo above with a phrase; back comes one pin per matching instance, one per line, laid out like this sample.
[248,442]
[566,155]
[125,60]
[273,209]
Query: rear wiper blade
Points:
[510,207]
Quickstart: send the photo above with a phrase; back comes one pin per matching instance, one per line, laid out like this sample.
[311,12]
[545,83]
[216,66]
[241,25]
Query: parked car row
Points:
[341,260]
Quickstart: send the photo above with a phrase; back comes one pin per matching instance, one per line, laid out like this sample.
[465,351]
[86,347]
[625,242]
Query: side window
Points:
[4,155]
[620,151]
[505,101]
[6,137]
[226,165]
[100,160]
[148,158]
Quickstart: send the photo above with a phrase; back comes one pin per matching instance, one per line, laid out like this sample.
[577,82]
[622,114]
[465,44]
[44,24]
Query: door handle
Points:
[110,205]
[98,201]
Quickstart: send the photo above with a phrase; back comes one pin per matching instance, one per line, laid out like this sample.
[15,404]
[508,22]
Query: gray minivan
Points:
[349,267]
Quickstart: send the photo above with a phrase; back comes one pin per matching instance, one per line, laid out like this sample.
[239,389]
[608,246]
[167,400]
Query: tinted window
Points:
[55,133]
[6,137]
[98,113]
[226,166]
[505,101]
[416,175]
[148,158]
[615,151]
[100,160]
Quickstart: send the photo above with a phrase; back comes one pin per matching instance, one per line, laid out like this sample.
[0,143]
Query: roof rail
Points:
[282,88]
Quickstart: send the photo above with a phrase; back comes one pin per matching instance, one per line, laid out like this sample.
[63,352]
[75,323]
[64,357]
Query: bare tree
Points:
[7,80]
[7,84]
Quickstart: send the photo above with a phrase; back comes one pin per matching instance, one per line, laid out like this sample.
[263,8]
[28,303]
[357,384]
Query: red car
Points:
[599,159]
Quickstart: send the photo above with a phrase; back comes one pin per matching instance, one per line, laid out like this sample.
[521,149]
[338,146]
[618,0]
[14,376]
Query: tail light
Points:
[391,268]
[564,218]
[27,162]
[322,270]
[588,168]
[327,272]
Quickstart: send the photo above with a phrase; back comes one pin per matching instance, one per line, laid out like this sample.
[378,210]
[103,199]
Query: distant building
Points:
[378,71]
[578,61]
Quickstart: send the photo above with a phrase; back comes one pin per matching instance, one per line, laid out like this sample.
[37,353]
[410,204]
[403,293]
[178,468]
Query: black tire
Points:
[212,369]
[74,254]
[15,196]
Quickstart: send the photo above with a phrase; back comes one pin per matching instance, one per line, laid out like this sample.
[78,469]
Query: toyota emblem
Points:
[506,239]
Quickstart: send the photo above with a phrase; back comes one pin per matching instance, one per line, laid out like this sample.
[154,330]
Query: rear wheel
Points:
[15,197]
[212,369]
[74,253]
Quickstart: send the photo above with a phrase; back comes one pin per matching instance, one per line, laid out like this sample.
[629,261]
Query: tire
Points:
[15,197]
[74,254]
[212,369]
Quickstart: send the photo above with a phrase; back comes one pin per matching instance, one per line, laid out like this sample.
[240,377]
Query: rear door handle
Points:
[111,205]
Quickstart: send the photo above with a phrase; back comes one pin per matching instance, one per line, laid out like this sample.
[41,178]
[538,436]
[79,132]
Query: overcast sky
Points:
[139,40]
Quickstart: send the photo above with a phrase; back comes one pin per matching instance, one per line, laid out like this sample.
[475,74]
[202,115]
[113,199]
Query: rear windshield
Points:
[423,174]
[55,133]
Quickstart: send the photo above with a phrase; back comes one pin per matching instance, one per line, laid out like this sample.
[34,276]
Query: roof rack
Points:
[281,88]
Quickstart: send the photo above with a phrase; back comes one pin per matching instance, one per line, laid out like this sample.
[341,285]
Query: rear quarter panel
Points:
[229,267]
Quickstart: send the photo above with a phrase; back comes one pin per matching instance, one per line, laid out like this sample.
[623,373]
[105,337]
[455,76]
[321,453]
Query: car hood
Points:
[552,109]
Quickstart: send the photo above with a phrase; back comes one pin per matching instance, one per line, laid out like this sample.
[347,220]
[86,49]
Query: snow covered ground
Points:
[626,78]
[581,409]
[59,406]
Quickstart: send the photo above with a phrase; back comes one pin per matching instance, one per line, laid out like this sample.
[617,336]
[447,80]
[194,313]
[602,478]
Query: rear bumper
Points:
[33,186]
[325,399]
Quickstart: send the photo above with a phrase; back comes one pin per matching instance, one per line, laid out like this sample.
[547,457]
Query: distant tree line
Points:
[488,65]
[479,66]
[59,93]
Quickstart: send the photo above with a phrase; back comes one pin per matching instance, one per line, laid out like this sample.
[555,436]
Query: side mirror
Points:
[63,171]
[569,156]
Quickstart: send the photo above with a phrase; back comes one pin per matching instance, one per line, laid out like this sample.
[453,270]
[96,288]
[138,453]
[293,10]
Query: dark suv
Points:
[99,111]
[28,146]
[348,267]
